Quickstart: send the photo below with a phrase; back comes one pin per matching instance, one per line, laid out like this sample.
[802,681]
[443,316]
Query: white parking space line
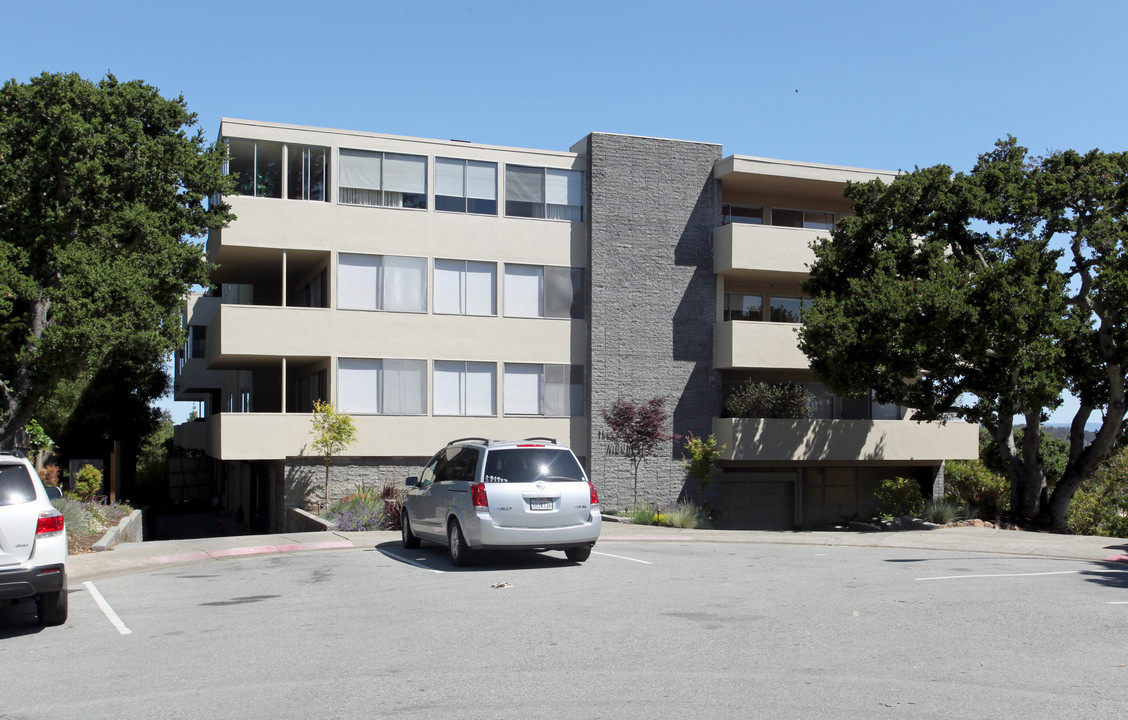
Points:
[965,577]
[400,558]
[106,609]
[620,557]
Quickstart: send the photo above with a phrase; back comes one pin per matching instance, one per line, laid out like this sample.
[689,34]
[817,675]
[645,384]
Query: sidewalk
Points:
[138,557]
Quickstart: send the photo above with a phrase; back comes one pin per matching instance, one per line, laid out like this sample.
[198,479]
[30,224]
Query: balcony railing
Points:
[764,249]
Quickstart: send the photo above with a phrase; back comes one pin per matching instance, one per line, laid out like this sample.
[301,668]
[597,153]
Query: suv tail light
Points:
[478,496]
[50,523]
[594,495]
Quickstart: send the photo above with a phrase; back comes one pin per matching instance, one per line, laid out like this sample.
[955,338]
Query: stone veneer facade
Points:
[654,205]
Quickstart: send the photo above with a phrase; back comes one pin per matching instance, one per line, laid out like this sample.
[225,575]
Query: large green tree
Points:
[102,192]
[984,296]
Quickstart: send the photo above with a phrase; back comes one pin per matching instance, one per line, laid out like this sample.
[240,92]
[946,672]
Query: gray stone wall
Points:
[653,207]
[304,477]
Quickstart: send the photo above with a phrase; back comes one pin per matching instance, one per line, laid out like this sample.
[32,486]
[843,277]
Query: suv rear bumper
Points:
[25,582]
[486,535]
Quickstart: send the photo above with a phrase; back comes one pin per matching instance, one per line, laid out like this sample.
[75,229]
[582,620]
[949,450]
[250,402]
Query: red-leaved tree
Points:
[639,429]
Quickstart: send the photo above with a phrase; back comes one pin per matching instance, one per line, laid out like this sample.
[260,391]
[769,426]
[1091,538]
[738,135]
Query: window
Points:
[384,387]
[741,214]
[381,282]
[742,306]
[548,390]
[813,219]
[257,167]
[307,173]
[466,186]
[465,388]
[197,341]
[544,193]
[785,309]
[544,291]
[465,287]
[451,464]
[307,390]
[827,405]
[382,179]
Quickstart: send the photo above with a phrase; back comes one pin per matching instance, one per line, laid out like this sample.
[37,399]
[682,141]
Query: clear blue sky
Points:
[888,85]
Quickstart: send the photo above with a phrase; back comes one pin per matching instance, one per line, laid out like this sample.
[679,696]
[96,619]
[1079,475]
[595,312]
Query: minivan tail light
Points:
[50,523]
[594,495]
[478,496]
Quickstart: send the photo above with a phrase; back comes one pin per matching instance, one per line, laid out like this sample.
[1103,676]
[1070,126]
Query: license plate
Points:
[540,503]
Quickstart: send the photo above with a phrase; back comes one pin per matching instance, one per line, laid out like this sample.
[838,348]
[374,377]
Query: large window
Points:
[381,282]
[547,390]
[259,171]
[307,172]
[465,287]
[384,387]
[257,167]
[785,309]
[813,219]
[382,179]
[466,186]
[827,405]
[743,306]
[544,291]
[544,193]
[465,388]
[742,214]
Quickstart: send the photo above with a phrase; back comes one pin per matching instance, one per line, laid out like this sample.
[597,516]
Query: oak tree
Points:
[103,191]
[984,296]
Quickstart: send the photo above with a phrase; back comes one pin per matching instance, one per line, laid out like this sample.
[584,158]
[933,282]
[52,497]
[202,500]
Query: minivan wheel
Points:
[578,554]
[410,539]
[460,553]
[52,608]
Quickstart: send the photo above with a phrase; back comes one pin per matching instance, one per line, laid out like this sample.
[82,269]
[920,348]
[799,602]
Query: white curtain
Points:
[448,286]
[405,284]
[481,288]
[523,389]
[524,291]
[405,387]
[358,385]
[481,180]
[358,281]
[447,387]
[449,177]
[405,173]
[481,389]
[359,169]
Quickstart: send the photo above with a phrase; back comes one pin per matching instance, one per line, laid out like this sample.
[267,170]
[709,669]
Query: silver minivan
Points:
[477,494]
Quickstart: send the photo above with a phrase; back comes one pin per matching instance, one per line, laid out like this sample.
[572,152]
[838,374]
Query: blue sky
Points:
[888,85]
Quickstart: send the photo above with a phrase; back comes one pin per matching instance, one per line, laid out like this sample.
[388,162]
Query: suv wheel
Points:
[410,539]
[52,608]
[578,554]
[460,553]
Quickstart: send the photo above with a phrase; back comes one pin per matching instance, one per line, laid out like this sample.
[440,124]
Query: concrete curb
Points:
[130,529]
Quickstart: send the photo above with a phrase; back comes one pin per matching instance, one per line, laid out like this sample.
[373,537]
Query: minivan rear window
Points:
[519,465]
[15,485]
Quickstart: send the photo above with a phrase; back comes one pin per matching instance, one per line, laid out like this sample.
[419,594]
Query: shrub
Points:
[87,522]
[702,461]
[1100,506]
[368,509]
[685,515]
[49,474]
[642,514]
[88,482]
[753,399]
[899,496]
[942,510]
[986,494]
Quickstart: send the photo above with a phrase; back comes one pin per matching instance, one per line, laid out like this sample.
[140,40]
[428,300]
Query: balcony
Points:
[191,435]
[242,335]
[750,345]
[266,436]
[769,440]
[764,252]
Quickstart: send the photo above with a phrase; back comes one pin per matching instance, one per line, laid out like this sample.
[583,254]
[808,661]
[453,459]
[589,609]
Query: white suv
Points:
[33,542]
[477,494]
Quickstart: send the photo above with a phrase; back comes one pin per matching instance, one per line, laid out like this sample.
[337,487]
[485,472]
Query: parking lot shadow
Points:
[434,557]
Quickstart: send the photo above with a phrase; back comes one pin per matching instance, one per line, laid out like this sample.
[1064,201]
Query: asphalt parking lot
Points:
[663,625]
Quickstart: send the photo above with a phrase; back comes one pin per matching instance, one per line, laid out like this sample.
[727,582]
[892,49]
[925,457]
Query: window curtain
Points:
[450,177]
[449,292]
[481,288]
[358,281]
[405,284]
[358,385]
[524,184]
[405,387]
[447,387]
[524,291]
[522,394]
[359,169]
[481,180]
[481,389]
[405,173]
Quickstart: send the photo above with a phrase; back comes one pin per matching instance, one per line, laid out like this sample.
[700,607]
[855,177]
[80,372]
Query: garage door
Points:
[757,501]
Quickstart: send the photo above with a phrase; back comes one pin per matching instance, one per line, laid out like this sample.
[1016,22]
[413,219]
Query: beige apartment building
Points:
[442,289]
